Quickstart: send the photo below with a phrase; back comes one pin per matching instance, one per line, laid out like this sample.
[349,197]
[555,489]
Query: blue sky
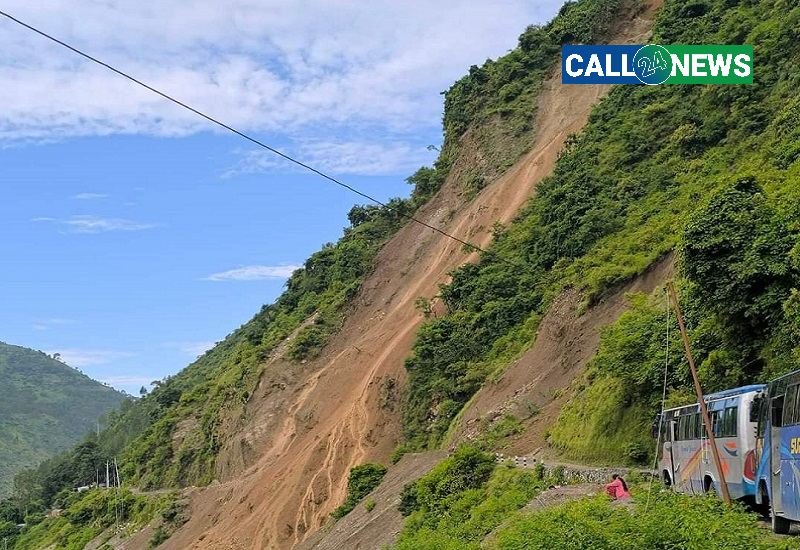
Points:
[134,234]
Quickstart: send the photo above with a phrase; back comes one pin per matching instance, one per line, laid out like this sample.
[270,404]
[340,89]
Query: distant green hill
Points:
[45,407]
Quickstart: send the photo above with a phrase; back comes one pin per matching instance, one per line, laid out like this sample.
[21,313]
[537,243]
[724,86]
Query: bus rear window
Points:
[791,415]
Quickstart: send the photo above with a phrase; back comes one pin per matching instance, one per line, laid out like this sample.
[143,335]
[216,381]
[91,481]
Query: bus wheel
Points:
[780,525]
[665,477]
[708,486]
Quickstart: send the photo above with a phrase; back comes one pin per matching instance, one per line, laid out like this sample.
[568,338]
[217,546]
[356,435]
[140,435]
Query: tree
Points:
[167,395]
[27,490]
[424,306]
[86,461]
[7,529]
[360,214]
[10,512]
[426,182]
[467,468]
[736,250]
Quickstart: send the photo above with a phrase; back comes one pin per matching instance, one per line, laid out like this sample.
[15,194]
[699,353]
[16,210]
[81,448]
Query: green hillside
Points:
[709,172]
[495,103]
[45,408]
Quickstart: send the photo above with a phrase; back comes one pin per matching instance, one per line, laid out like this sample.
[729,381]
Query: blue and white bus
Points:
[686,461]
[778,451]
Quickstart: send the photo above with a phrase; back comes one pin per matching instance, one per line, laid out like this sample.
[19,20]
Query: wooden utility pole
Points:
[703,409]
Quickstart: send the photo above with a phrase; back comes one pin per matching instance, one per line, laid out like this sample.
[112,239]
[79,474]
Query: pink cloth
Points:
[616,490]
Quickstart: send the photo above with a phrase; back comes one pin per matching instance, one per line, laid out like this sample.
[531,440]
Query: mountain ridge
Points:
[46,407]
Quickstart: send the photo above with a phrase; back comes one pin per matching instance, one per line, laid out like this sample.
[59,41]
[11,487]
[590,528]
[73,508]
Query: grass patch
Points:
[668,521]
[363,479]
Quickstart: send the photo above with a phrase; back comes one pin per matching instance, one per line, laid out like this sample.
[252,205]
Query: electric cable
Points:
[255,141]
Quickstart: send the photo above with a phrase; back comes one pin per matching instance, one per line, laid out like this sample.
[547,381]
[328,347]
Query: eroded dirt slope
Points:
[367,530]
[285,465]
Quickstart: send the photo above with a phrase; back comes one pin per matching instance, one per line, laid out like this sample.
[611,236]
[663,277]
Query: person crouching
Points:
[617,489]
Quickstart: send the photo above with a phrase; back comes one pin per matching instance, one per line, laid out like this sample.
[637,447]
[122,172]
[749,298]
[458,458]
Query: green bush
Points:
[408,499]
[467,468]
[307,344]
[538,471]
[399,452]
[174,514]
[458,514]
[498,431]
[160,535]
[583,22]
[363,479]
[667,521]
[557,476]
[86,516]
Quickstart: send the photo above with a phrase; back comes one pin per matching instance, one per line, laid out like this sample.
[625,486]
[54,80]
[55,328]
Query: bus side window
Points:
[788,407]
[796,414]
[723,423]
[732,413]
[777,411]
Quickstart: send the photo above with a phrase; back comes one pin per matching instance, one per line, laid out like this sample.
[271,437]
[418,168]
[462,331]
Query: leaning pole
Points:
[706,419]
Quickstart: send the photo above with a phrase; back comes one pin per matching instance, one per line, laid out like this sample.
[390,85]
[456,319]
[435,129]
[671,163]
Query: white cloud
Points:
[86,358]
[254,273]
[125,380]
[46,324]
[90,196]
[290,67]
[365,158]
[94,224]
[193,349]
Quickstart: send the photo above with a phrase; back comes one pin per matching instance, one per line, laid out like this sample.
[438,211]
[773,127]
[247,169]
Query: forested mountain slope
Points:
[307,426]
[655,170]
[387,336]
[278,411]
[45,408]
[719,182]
[708,171]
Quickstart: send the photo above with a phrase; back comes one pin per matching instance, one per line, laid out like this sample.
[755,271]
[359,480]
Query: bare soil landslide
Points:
[284,467]
[366,530]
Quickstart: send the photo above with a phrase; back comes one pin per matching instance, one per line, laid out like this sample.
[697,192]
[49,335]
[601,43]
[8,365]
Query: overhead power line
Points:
[250,138]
